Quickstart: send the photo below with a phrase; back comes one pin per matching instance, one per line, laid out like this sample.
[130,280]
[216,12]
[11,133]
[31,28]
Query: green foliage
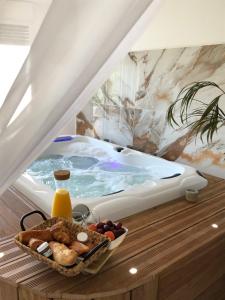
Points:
[205,119]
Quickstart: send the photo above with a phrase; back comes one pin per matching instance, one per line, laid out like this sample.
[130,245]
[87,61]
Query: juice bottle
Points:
[61,206]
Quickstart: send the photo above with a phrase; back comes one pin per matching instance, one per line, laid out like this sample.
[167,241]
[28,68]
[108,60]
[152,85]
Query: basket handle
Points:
[29,214]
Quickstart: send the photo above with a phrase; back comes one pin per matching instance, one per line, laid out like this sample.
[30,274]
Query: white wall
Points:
[181,23]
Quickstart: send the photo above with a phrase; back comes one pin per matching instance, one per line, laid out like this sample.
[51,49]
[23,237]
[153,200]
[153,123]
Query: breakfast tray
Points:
[97,239]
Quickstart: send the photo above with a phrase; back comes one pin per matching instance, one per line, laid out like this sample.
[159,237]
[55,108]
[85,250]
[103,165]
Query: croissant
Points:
[62,254]
[61,233]
[79,247]
[44,235]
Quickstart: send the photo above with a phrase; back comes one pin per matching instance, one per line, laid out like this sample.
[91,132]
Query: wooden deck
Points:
[176,250]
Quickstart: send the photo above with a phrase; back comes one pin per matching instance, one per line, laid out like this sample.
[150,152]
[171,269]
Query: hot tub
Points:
[107,180]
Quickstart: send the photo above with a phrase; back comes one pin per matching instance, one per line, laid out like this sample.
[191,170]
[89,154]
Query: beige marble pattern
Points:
[130,108]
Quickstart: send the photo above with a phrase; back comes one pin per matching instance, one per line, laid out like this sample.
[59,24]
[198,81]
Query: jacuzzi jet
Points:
[119,149]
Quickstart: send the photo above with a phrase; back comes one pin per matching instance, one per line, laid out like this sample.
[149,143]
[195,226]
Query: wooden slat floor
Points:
[177,253]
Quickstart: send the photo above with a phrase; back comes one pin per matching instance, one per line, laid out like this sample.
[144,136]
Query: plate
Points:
[114,244]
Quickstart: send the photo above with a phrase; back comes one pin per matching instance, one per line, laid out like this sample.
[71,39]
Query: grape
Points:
[110,223]
[116,233]
[118,226]
[120,231]
[100,225]
[106,227]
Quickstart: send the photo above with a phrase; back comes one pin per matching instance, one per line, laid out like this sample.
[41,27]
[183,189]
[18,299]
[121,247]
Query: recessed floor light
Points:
[133,271]
[214,226]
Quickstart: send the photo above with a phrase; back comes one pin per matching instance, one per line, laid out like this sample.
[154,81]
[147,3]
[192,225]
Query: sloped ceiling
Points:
[181,23]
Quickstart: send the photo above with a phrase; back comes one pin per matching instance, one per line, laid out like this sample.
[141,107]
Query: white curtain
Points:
[78,45]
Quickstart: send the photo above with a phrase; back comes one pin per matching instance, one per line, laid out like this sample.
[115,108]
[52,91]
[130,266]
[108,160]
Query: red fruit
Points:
[92,227]
[110,235]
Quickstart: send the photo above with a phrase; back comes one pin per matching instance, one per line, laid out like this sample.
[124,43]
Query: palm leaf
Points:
[209,118]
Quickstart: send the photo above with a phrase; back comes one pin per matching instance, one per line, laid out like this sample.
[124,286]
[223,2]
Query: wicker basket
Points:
[94,238]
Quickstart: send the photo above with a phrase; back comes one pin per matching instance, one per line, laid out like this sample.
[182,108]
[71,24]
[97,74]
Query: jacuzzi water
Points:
[90,177]
[108,181]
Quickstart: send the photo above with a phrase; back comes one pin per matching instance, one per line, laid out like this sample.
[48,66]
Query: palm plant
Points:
[203,119]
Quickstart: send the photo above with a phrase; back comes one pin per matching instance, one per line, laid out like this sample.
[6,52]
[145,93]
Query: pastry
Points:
[35,243]
[44,235]
[62,254]
[61,233]
[79,247]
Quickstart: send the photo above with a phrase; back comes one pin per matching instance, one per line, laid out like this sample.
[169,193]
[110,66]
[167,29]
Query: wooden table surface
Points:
[177,252]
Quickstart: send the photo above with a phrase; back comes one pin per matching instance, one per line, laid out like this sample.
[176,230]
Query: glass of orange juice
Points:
[61,206]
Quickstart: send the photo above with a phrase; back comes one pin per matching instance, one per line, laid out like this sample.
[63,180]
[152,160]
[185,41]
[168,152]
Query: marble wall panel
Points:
[130,108]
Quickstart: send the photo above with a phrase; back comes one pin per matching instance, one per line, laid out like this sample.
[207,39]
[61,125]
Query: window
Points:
[11,60]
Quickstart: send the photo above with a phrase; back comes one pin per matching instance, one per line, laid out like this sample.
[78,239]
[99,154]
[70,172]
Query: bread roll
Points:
[44,235]
[62,254]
